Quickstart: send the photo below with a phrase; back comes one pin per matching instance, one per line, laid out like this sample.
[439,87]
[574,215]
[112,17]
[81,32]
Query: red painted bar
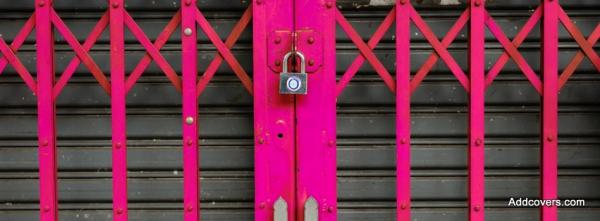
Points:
[549,135]
[18,40]
[118,120]
[403,172]
[476,110]
[46,111]
[190,111]
[316,112]
[274,154]
[577,59]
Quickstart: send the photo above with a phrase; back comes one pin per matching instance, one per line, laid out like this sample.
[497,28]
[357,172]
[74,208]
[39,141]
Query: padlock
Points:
[294,82]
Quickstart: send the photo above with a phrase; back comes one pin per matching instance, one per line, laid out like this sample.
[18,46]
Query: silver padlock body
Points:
[293,83]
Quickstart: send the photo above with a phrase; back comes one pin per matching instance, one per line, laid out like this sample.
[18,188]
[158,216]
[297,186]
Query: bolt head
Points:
[190,208]
[262,205]
[476,208]
[259,2]
[329,4]
[261,140]
[118,145]
[277,62]
[478,142]
[119,211]
[403,2]
[549,138]
[403,141]
[311,62]
[189,120]
[330,209]
[44,142]
[277,40]
[189,142]
[403,206]
[115,4]
[42,3]
[187,31]
[188,2]
[331,143]
[477,3]
[46,208]
[311,40]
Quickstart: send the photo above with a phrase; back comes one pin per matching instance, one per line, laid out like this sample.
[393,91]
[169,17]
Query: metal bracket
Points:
[280,42]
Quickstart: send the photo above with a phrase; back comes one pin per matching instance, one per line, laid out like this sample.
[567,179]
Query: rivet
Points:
[331,143]
[476,208]
[329,4]
[311,40]
[44,142]
[115,4]
[330,209]
[189,120]
[118,145]
[261,140]
[277,62]
[119,211]
[187,32]
[477,3]
[549,138]
[403,206]
[42,3]
[403,141]
[46,208]
[259,2]
[262,205]
[189,141]
[277,40]
[478,142]
[188,2]
[403,2]
[311,62]
[190,208]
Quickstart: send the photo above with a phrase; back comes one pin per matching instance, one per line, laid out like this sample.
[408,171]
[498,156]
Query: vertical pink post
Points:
[273,116]
[403,110]
[190,110]
[549,131]
[118,94]
[316,112]
[46,111]
[476,110]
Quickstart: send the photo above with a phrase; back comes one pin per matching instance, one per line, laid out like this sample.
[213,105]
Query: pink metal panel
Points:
[476,110]
[190,110]
[316,112]
[549,148]
[274,154]
[118,120]
[46,111]
[403,202]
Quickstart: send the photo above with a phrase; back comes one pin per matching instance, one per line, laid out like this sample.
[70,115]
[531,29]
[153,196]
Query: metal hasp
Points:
[293,82]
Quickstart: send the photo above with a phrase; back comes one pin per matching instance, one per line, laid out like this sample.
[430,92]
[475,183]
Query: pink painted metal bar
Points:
[476,110]
[549,130]
[577,59]
[160,41]
[403,172]
[236,32]
[439,48]
[274,130]
[516,42]
[434,57]
[19,40]
[316,113]
[87,45]
[118,120]
[359,60]
[190,111]
[46,111]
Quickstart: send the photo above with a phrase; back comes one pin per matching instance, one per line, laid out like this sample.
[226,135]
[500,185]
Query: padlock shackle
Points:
[302,61]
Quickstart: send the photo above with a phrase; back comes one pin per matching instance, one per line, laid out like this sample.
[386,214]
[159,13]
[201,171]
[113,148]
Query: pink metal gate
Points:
[295,136]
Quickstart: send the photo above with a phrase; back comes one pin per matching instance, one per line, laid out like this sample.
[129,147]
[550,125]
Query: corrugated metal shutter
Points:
[365,124]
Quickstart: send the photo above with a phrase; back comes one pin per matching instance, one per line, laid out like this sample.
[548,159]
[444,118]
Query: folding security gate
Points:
[295,135]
